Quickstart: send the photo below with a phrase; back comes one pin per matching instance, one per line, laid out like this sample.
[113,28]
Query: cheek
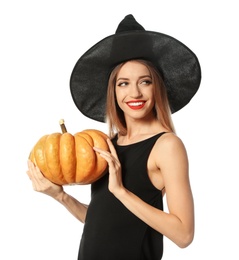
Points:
[151,99]
[119,95]
[120,103]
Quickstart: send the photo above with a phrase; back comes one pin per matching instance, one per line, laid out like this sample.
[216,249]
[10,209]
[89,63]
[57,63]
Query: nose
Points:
[135,91]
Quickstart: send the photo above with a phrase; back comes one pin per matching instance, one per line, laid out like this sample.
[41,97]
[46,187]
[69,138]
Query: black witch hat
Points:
[178,65]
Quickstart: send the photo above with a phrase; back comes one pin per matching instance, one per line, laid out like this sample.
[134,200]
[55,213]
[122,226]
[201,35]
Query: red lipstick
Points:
[136,104]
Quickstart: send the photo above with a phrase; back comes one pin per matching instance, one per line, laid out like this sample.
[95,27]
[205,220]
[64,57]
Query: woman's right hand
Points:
[42,184]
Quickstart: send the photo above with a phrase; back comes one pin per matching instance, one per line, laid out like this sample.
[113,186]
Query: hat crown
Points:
[129,24]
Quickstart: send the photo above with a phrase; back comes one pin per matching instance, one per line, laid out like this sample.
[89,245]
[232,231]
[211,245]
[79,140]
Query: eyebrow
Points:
[121,79]
[144,76]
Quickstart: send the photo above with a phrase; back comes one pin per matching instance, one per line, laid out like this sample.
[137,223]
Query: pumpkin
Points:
[64,158]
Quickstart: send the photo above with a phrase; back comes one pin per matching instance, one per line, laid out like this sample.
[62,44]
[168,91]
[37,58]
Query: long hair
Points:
[115,116]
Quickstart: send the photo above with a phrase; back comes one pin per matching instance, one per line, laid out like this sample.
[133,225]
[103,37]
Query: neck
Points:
[138,127]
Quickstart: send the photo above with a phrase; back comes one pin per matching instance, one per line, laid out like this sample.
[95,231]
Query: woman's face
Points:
[134,90]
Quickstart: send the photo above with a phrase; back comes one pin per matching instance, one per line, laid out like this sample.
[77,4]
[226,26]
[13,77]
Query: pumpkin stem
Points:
[63,127]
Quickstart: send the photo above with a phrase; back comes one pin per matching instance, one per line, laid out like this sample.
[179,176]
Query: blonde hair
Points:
[115,116]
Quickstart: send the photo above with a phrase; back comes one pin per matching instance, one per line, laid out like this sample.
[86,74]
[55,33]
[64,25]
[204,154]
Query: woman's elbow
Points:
[186,240]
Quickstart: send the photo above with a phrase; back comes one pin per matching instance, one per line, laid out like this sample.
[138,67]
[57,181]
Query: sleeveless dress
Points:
[111,231]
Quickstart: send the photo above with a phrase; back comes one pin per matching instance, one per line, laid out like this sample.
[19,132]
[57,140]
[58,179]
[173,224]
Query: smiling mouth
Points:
[136,104]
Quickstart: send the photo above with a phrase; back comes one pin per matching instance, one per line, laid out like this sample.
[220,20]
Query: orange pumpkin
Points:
[64,158]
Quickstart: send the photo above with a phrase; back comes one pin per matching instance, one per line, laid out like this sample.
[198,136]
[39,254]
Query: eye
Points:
[146,82]
[122,84]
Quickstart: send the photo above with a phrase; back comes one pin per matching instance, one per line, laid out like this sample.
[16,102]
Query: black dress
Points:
[111,231]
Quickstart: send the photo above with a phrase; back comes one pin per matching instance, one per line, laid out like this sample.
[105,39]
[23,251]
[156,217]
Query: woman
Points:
[125,219]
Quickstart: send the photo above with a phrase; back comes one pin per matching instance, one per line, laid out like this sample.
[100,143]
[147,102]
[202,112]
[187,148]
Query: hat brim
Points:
[178,64]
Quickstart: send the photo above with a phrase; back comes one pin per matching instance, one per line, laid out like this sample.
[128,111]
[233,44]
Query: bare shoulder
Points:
[169,146]
[169,141]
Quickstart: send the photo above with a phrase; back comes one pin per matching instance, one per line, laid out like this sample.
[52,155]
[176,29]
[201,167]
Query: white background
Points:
[39,46]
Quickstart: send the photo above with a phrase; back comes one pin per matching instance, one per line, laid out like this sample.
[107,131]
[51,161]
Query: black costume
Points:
[111,231]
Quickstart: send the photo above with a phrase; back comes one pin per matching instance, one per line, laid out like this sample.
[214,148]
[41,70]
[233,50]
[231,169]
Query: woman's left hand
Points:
[115,176]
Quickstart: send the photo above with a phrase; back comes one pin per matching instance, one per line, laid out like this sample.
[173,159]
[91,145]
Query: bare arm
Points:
[171,159]
[41,184]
